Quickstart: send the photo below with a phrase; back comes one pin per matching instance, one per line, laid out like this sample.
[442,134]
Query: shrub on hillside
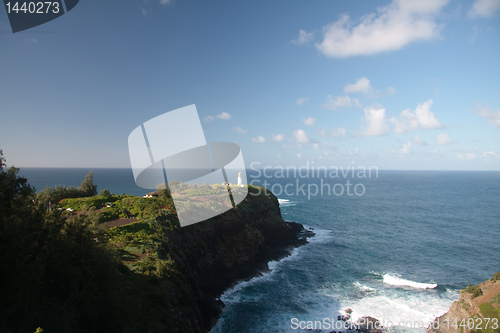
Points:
[474,290]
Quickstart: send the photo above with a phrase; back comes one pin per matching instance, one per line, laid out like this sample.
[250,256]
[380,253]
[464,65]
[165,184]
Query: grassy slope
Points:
[194,264]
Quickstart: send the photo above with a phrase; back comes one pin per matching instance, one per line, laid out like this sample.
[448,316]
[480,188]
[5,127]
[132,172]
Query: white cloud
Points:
[376,121]
[467,156]
[337,133]
[299,155]
[442,139]
[224,116]
[309,121]
[422,118]
[391,28]
[484,8]
[239,130]
[406,148]
[303,37]
[419,141]
[333,104]
[34,40]
[167,2]
[488,113]
[315,145]
[490,153]
[302,100]
[300,136]
[278,137]
[390,91]
[259,139]
[322,132]
[363,86]
[475,32]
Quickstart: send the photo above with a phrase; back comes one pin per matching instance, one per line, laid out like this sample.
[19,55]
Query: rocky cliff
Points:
[196,263]
[68,271]
[477,309]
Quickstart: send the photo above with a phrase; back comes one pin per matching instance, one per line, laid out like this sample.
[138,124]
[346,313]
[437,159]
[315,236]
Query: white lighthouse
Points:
[240,180]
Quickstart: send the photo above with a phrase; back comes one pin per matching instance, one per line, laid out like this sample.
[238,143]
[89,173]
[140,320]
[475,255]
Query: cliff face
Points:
[478,308]
[193,265]
[68,272]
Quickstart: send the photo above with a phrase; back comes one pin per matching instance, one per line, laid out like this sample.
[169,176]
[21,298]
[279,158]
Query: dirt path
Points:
[490,290]
[120,222]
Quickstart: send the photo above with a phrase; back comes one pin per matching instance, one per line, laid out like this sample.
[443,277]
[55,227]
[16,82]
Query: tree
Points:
[14,191]
[57,272]
[105,193]
[163,191]
[87,186]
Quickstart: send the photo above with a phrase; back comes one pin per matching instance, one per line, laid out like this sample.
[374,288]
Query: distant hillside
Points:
[477,310]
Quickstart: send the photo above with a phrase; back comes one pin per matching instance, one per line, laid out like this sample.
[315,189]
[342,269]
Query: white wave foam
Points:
[397,281]
[362,287]
[230,295]
[404,308]
[398,309]
[322,235]
[286,203]
[273,264]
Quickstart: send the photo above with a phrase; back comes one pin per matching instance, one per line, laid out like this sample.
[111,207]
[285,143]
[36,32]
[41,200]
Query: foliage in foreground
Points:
[56,276]
[62,272]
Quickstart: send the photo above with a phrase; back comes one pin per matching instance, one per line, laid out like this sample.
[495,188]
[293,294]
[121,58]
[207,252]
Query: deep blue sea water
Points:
[400,251]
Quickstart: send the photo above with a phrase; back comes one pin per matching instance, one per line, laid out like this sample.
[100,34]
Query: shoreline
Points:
[261,268]
[476,306]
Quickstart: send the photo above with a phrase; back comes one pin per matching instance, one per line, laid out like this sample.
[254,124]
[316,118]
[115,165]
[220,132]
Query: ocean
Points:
[394,245]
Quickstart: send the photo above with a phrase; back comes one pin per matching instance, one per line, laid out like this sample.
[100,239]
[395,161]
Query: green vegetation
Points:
[495,300]
[96,202]
[105,193]
[56,276]
[163,191]
[474,290]
[488,311]
[66,273]
[496,277]
[50,196]
[119,206]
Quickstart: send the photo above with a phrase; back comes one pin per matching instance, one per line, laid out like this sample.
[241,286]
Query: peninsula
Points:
[120,263]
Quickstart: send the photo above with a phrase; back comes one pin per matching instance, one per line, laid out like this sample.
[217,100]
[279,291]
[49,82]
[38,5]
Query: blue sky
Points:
[394,84]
